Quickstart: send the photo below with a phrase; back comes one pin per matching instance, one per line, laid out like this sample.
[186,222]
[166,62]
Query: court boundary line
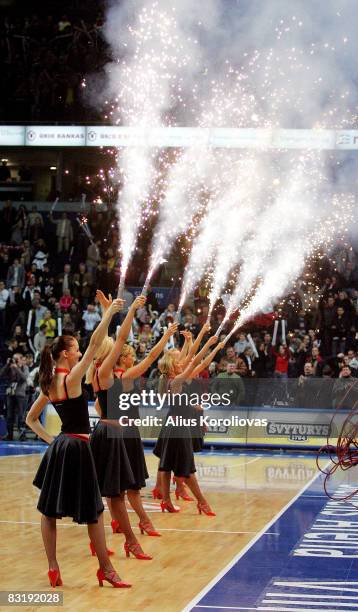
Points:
[163,529]
[227,568]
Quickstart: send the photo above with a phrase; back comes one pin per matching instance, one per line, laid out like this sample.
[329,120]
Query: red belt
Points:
[80,436]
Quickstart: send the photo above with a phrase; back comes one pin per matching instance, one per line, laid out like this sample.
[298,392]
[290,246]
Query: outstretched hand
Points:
[213,340]
[116,306]
[173,327]
[187,335]
[139,302]
[105,302]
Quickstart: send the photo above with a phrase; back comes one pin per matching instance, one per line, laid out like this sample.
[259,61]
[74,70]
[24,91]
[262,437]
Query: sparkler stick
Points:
[274,337]
[54,205]
[121,286]
[252,344]
[283,331]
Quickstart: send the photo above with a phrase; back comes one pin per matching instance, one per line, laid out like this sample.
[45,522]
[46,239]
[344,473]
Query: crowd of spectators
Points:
[49,273]
[44,58]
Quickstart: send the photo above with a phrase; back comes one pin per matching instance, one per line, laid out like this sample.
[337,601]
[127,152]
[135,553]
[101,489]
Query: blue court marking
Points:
[21,448]
[267,575]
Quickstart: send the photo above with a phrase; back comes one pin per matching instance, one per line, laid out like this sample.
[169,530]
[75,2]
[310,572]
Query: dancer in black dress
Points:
[113,466]
[128,372]
[67,475]
[123,355]
[187,353]
[175,445]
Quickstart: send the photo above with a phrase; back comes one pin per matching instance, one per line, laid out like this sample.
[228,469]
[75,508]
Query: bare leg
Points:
[98,538]
[48,531]
[119,513]
[195,489]
[158,483]
[135,501]
[165,486]
[180,488]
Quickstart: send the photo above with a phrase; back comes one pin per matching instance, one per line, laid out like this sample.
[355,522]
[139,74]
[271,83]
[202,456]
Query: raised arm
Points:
[153,354]
[188,342]
[204,364]
[194,362]
[33,421]
[204,330]
[77,373]
[106,368]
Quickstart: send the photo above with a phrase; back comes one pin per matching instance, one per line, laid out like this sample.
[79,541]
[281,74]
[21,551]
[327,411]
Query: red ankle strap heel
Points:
[168,506]
[116,527]
[133,548]
[151,532]
[117,584]
[93,550]
[205,509]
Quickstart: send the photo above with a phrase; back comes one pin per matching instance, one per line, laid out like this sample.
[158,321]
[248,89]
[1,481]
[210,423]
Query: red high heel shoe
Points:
[93,550]
[168,506]
[116,528]
[156,493]
[133,548]
[205,508]
[54,577]
[185,497]
[148,530]
[117,584]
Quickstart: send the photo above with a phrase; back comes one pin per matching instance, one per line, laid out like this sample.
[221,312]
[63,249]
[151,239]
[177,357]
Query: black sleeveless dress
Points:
[113,467]
[67,474]
[174,446]
[134,446]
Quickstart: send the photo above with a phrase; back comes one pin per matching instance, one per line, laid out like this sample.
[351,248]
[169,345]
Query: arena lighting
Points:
[4,160]
[123,136]
[53,167]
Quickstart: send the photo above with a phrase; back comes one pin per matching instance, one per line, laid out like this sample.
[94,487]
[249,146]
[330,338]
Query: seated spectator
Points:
[64,281]
[91,319]
[353,361]
[15,275]
[146,334]
[241,344]
[40,339]
[64,232]
[66,300]
[50,324]
[40,259]
[340,330]
[244,363]
[82,284]
[315,360]
[34,216]
[36,230]
[229,382]
[21,339]
[282,360]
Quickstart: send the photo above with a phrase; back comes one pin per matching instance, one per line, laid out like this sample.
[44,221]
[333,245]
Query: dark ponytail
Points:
[49,356]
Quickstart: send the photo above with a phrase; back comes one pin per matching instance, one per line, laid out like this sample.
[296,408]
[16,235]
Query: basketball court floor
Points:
[277,542]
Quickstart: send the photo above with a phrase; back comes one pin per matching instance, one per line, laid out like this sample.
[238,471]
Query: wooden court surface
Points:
[246,491]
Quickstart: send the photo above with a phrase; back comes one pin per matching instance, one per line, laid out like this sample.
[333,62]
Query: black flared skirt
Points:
[135,452]
[68,481]
[113,468]
[175,453]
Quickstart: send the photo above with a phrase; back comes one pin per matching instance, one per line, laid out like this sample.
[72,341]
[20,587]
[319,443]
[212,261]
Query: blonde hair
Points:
[102,352]
[127,349]
[166,363]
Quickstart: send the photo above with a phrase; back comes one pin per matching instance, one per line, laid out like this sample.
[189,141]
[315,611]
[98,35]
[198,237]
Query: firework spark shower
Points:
[241,64]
